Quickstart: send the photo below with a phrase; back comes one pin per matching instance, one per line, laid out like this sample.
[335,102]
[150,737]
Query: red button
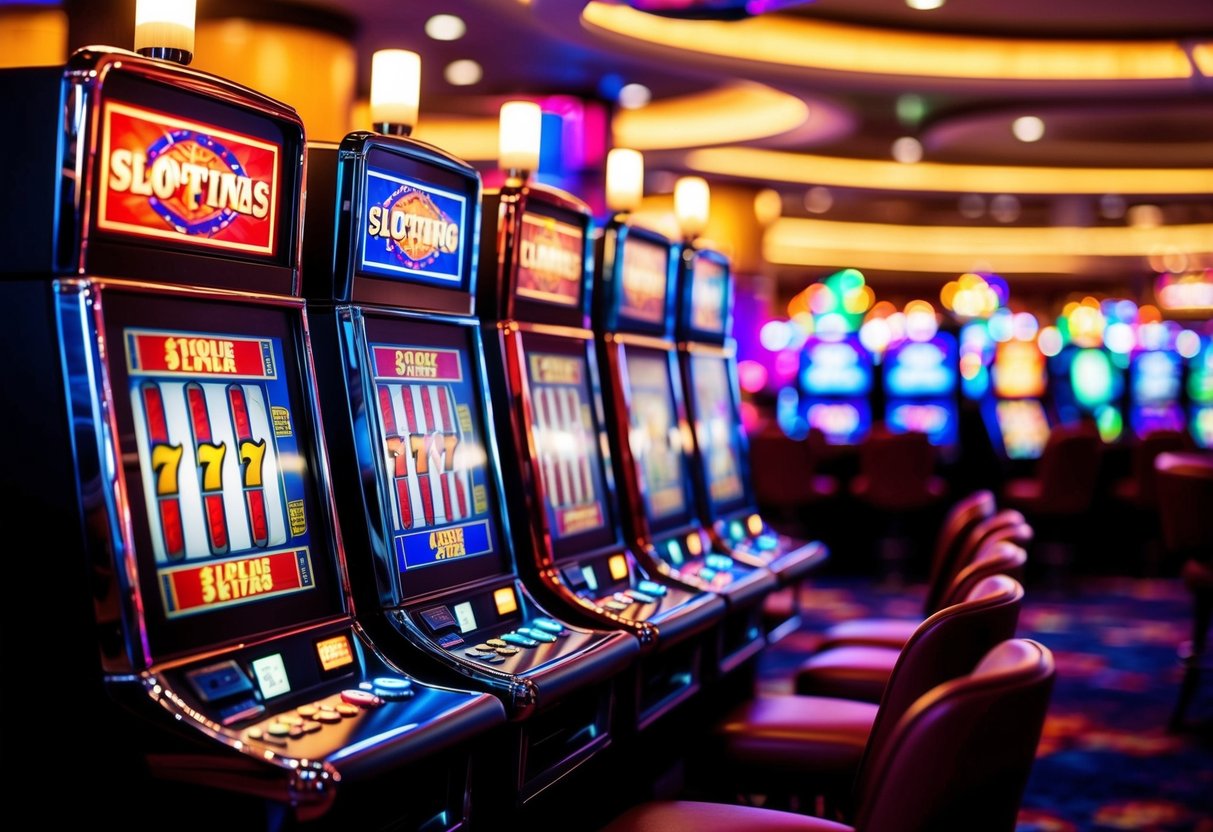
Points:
[362,698]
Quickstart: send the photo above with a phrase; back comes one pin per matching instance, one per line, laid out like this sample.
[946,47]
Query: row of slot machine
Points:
[843,390]
[1126,395]
[918,385]
[327,515]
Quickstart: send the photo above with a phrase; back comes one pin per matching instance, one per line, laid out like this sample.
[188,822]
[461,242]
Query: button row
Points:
[308,719]
[496,650]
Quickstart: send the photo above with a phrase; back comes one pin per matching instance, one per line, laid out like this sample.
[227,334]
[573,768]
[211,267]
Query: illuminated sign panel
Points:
[709,294]
[412,230]
[166,178]
[551,260]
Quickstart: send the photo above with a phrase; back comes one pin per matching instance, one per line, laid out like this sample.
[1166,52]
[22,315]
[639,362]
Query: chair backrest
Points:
[964,514]
[783,469]
[1069,469]
[961,755]
[897,468]
[1146,452]
[1185,502]
[1007,524]
[947,645]
[1000,556]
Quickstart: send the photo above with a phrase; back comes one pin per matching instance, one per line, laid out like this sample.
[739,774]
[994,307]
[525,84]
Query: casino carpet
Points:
[1105,761]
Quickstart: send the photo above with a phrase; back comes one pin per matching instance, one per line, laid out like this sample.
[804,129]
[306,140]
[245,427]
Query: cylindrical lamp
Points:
[395,90]
[520,126]
[692,200]
[164,29]
[624,179]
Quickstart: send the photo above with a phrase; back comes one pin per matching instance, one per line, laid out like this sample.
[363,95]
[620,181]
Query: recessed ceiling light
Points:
[1028,128]
[462,73]
[634,96]
[971,206]
[907,150]
[818,200]
[445,27]
[924,5]
[1004,208]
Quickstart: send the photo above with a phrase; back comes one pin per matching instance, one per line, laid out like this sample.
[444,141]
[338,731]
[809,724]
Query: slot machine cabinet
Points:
[173,458]
[920,388]
[1199,386]
[636,279]
[390,272]
[836,387]
[1016,410]
[1156,392]
[708,358]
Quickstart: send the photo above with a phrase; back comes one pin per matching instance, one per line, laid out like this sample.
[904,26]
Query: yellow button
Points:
[278,729]
[349,710]
[306,711]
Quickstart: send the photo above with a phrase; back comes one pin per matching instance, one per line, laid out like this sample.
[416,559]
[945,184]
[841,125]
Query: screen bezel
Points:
[687,330]
[168,637]
[151,258]
[541,203]
[425,166]
[619,237]
[431,578]
[608,534]
[674,520]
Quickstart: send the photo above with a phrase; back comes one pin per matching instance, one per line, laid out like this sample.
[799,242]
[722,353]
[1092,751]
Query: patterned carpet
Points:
[1106,761]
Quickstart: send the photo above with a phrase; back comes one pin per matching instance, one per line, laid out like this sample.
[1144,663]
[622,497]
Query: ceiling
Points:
[961,115]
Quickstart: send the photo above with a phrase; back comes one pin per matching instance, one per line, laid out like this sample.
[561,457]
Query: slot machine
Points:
[172,453]
[636,279]
[1089,384]
[920,387]
[708,361]
[1156,391]
[538,291]
[391,280]
[1015,410]
[835,381]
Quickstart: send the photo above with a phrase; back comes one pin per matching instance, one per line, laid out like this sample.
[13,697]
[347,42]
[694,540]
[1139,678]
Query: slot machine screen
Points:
[655,437]
[435,462]
[210,183]
[1019,370]
[564,429]
[716,430]
[1024,427]
[1156,377]
[836,368]
[1093,379]
[416,222]
[921,368]
[1200,376]
[231,536]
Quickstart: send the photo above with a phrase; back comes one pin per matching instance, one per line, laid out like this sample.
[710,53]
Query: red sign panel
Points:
[167,178]
[550,260]
[194,588]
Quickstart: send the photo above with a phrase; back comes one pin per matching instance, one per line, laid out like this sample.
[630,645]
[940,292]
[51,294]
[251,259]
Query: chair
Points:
[1060,494]
[1065,478]
[786,743]
[1185,505]
[892,632]
[862,671]
[1138,492]
[786,482]
[1140,489]
[959,758]
[897,478]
